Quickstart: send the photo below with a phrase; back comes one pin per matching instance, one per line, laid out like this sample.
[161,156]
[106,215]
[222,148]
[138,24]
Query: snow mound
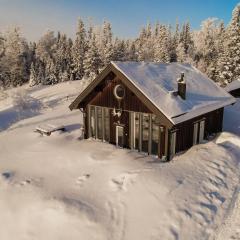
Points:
[61,187]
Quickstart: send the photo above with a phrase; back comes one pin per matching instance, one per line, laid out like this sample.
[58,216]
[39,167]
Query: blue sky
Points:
[127,16]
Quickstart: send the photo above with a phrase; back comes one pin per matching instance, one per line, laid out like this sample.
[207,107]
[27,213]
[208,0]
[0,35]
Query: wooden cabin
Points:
[155,108]
[234,88]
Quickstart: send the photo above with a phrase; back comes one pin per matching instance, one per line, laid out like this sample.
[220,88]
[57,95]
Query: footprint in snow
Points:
[82,179]
[122,181]
[25,182]
[7,175]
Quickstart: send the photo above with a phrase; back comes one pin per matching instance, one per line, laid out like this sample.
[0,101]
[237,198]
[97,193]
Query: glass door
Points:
[201,131]
[119,136]
[195,133]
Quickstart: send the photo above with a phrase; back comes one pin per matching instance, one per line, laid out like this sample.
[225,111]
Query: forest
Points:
[214,49]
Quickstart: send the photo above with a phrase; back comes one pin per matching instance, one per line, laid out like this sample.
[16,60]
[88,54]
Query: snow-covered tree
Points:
[174,41]
[180,52]
[15,59]
[162,41]
[229,60]
[119,50]
[33,80]
[206,49]
[45,47]
[106,43]
[45,53]
[186,41]
[62,58]
[145,44]
[78,51]
[92,61]
[131,52]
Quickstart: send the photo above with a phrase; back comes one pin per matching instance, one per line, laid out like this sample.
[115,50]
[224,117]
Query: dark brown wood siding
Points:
[235,93]
[213,124]
[105,98]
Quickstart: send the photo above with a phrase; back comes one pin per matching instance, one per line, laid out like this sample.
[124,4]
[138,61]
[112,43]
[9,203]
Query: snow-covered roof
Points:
[233,85]
[158,81]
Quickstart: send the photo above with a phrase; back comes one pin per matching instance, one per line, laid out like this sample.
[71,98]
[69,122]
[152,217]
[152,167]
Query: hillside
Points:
[63,187]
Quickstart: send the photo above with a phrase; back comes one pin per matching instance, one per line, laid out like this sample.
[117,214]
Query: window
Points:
[145,132]
[92,132]
[155,135]
[99,123]
[106,125]
[137,130]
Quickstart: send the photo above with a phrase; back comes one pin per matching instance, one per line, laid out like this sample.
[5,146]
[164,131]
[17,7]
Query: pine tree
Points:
[206,50]
[174,44]
[185,40]
[78,51]
[229,61]
[180,51]
[162,45]
[145,44]
[40,71]
[33,76]
[131,52]
[106,46]
[15,59]
[119,52]
[62,58]
[2,77]
[92,62]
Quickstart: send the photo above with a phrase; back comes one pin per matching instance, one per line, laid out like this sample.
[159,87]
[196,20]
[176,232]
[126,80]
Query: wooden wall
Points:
[213,124]
[105,98]
[235,93]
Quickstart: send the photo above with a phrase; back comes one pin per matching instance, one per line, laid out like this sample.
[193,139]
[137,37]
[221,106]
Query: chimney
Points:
[182,87]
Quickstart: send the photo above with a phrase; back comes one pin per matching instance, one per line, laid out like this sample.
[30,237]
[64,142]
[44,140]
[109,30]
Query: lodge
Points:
[155,108]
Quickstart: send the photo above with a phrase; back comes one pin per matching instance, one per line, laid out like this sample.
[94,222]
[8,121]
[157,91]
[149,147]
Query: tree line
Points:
[214,50]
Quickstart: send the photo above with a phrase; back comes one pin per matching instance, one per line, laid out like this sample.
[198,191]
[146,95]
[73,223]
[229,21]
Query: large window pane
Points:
[137,125]
[145,132]
[92,122]
[106,125]
[99,123]
[155,135]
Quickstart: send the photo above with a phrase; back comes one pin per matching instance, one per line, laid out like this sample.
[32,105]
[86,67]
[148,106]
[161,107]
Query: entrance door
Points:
[119,136]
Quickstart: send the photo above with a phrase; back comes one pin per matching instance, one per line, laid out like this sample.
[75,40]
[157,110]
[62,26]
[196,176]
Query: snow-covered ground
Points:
[62,187]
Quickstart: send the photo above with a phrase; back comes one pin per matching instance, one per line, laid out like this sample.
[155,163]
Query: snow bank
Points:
[60,187]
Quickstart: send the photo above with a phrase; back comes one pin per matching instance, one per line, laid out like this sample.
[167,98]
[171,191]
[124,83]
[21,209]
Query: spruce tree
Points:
[15,59]
[78,51]
[33,76]
[106,46]
[229,60]
[92,61]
